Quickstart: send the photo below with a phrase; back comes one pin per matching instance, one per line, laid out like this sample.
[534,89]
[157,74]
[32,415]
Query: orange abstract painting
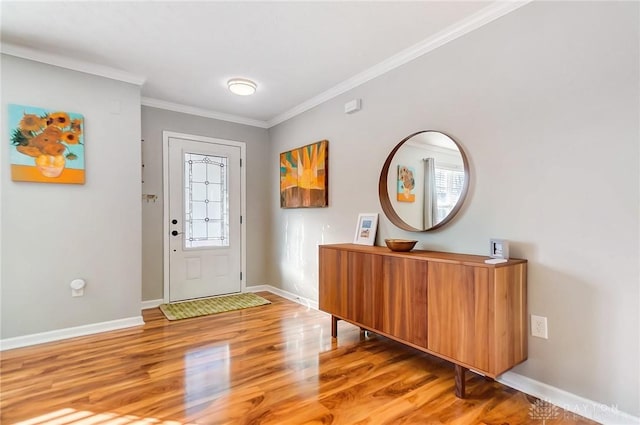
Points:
[304,176]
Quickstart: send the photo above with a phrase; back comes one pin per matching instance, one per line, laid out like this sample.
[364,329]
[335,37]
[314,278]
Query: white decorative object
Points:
[495,261]
[498,248]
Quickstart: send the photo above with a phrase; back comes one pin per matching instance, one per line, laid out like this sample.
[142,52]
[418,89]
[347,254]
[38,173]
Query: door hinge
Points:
[240,219]
[241,162]
[240,275]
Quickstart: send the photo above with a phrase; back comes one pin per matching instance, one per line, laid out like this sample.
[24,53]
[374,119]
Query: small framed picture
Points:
[366,230]
[499,248]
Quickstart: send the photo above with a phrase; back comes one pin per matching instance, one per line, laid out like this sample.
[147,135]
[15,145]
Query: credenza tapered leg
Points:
[334,326]
[460,373]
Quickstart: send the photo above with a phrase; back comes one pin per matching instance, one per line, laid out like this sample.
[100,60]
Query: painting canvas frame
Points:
[47,146]
[366,229]
[304,176]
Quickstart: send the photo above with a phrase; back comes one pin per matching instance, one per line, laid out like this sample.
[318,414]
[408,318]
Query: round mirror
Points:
[424,181]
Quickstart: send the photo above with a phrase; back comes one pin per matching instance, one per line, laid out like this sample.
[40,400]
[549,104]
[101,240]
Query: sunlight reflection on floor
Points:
[207,373]
[84,417]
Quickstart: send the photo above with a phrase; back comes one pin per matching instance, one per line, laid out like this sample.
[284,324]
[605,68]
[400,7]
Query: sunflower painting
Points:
[303,176]
[46,146]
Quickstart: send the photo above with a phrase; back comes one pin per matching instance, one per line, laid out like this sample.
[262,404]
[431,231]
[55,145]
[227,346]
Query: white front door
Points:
[204,217]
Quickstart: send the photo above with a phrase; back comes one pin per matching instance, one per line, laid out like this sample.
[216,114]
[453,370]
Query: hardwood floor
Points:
[274,364]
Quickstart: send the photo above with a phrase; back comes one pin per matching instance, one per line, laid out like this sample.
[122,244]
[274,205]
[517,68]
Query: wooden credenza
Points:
[454,306]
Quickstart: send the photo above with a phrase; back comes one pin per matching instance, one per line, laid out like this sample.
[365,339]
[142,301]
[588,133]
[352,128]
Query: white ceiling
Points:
[299,53]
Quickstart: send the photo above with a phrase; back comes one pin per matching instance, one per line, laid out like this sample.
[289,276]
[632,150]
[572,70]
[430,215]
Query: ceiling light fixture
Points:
[242,86]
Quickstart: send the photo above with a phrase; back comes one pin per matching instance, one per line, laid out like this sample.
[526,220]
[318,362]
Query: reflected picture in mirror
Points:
[432,171]
[406,184]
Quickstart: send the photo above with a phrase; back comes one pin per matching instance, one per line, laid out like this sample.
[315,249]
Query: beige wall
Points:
[536,98]
[154,122]
[54,233]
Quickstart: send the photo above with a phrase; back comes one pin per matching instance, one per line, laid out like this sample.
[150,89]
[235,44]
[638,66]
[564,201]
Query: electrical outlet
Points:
[539,327]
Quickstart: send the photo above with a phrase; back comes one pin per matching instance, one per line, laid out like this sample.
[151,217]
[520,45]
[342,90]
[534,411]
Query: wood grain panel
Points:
[510,317]
[416,254]
[269,365]
[365,291]
[459,322]
[333,275]
[404,291]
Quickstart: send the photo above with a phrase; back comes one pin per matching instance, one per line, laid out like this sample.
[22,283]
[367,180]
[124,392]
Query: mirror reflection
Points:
[424,181]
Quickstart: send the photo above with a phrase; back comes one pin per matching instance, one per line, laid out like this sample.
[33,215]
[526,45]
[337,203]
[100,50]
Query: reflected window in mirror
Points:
[449,186]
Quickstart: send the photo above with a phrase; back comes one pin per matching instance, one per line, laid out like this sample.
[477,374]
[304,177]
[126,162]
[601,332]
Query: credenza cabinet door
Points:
[404,291]
[334,282]
[459,320]
[379,292]
[365,290]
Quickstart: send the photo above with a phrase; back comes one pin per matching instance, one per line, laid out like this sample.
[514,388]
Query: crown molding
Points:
[486,15]
[177,107]
[73,64]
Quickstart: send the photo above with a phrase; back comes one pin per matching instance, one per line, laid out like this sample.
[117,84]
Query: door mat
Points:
[204,307]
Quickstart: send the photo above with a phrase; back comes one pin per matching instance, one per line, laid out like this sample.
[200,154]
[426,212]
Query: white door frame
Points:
[165,200]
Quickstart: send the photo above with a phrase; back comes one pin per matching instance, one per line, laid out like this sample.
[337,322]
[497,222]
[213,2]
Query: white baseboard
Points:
[284,294]
[607,415]
[151,304]
[40,338]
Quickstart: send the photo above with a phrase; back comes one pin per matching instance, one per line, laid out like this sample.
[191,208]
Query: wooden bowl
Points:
[401,245]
